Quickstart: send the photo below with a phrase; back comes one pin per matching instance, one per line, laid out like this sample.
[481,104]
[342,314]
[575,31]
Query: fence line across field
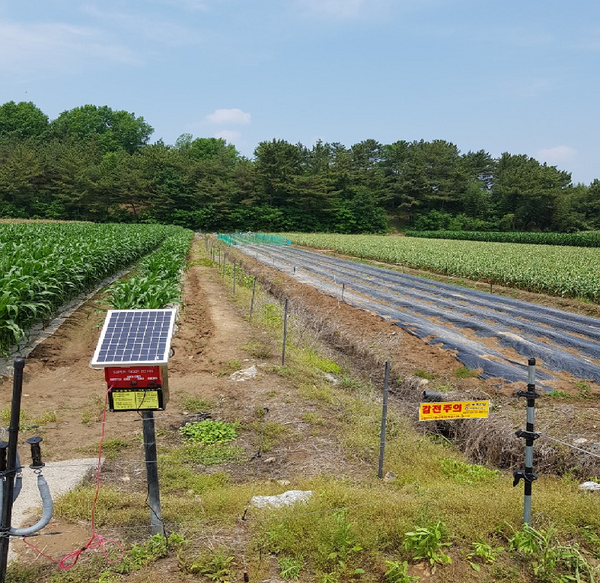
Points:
[374,447]
[527,474]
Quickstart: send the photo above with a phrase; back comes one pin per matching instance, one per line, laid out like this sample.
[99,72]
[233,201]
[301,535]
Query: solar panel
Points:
[132,337]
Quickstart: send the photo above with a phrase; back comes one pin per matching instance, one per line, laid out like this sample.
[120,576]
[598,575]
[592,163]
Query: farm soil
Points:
[213,339]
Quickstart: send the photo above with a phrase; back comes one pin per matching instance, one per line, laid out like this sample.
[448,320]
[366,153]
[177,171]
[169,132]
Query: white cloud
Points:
[229,117]
[229,136]
[557,155]
[49,48]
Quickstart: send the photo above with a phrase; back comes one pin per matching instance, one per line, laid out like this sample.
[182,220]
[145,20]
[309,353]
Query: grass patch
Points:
[209,431]
[202,262]
[269,434]
[463,372]
[421,373]
[184,479]
[195,404]
[311,358]
[583,390]
[465,473]
[215,564]
[114,507]
[260,349]
[320,393]
[112,448]
[313,418]
[230,367]
[558,395]
[5,417]
[205,455]
[93,412]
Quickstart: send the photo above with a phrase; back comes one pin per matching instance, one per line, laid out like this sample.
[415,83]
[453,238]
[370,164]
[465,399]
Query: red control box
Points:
[133,376]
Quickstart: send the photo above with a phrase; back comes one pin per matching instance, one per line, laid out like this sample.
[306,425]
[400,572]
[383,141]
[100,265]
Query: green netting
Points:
[253,238]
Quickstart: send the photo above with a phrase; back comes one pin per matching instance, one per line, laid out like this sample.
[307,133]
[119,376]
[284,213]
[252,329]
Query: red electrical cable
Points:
[96,541]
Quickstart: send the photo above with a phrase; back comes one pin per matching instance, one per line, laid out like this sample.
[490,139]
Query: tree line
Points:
[93,163]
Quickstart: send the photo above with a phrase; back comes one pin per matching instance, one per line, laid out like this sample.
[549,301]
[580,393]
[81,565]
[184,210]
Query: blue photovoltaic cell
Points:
[135,337]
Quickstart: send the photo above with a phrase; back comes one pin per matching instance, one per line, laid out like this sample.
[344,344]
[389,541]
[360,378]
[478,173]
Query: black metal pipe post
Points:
[234,266]
[11,465]
[156,521]
[528,475]
[285,315]
[386,382]
[252,300]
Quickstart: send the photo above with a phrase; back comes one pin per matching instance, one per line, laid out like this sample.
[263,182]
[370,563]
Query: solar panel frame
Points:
[135,337]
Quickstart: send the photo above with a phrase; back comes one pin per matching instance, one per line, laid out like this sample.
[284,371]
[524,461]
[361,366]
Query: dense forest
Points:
[96,164]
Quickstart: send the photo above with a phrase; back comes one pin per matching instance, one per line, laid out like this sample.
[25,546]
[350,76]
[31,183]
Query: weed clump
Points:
[209,432]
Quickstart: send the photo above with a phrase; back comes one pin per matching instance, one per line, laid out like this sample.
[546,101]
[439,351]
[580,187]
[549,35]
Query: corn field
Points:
[45,265]
[582,239]
[556,270]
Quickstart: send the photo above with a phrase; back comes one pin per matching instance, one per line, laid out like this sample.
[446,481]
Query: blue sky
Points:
[513,76]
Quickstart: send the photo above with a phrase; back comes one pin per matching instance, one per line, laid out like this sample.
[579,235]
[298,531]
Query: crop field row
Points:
[485,331]
[561,271]
[44,265]
[581,239]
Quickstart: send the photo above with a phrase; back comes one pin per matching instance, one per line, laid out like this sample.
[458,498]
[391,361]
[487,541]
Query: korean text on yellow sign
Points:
[454,410]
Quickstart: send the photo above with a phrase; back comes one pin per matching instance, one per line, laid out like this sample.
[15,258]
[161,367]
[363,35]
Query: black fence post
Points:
[285,318]
[149,434]
[528,475]
[11,466]
[252,300]
[386,382]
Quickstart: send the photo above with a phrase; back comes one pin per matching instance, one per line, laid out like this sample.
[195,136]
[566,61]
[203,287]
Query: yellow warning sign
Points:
[133,400]
[454,410]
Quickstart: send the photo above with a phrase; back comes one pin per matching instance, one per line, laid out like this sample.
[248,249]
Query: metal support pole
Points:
[234,266]
[285,315]
[11,465]
[343,290]
[386,382]
[252,300]
[528,475]
[156,521]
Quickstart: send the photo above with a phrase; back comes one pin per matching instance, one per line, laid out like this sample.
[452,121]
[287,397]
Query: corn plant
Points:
[582,239]
[45,265]
[552,269]
[157,281]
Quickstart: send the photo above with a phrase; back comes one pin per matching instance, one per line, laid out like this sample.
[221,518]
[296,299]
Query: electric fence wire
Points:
[247,458]
[571,445]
